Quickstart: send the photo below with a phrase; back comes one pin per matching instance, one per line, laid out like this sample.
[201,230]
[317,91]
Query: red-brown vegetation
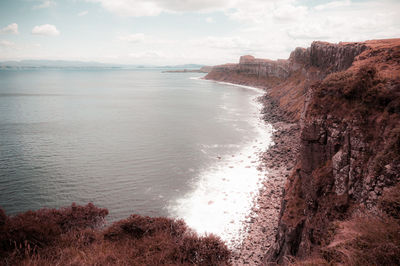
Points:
[390,202]
[361,90]
[365,239]
[72,236]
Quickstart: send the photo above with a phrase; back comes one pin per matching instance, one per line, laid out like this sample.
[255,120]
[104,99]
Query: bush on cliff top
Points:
[376,241]
[365,240]
[362,90]
[72,236]
[43,227]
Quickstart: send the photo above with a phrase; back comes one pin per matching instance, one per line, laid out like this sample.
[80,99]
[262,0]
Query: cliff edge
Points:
[346,99]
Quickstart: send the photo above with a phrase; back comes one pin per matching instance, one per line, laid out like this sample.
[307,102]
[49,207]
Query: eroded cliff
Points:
[287,80]
[346,98]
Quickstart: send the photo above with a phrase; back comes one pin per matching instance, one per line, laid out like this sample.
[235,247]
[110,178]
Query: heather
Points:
[77,235]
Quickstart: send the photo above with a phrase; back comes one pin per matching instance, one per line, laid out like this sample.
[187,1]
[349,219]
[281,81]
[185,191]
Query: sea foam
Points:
[224,193]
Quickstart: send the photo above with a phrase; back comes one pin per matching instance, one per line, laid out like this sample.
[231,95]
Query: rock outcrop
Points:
[287,81]
[324,57]
[346,98]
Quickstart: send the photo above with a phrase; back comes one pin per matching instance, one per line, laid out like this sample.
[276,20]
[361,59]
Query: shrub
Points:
[138,226]
[41,228]
[71,236]
[390,202]
[361,90]
[168,241]
[377,244]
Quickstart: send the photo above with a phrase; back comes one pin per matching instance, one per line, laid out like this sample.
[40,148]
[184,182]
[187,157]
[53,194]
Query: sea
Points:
[134,141]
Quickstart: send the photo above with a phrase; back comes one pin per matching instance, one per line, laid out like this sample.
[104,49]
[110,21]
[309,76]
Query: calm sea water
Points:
[133,141]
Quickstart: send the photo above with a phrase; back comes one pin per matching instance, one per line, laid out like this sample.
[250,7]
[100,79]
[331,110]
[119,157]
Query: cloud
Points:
[130,8]
[46,30]
[210,20]
[192,5]
[139,8]
[4,43]
[333,4]
[351,22]
[254,11]
[310,32]
[233,44]
[264,28]
[83,13]
[133,38]
[290,12]
[12,29]
[45,4]
[148,54]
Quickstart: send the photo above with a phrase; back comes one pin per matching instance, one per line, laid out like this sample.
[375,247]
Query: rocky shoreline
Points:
[277,162]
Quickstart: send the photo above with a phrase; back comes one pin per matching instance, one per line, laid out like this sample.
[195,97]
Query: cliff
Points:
[346,98]
[287,80]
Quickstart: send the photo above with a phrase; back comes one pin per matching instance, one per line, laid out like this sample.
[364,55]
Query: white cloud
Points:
[148,55]
[264,28]
[138,8]
[133,8]
[209,20]
[333,4]
[83,13]
[4,43]
[12,29]
[290,12]
[45,4]
[224,43]
[350,22]
[46,29]
[193,5]
[311,32]
[133,38]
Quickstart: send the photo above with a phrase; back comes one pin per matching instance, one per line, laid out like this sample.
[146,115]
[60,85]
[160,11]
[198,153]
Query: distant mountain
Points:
[187,66]
[23,64]
[55,64]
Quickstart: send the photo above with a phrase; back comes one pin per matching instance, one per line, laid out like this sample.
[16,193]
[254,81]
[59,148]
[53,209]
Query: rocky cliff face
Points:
[287,81]
[349,146]
[346,98]
[249,65]
[324,57]
[334,57]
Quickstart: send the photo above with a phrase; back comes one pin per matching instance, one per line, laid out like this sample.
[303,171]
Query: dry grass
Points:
[390,202]
[365,240]
[71,236]
[361,241]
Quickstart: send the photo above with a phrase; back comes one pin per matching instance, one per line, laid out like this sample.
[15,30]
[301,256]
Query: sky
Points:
[171,32]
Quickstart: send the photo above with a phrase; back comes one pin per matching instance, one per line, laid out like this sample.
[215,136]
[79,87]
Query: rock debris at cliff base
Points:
[278,161]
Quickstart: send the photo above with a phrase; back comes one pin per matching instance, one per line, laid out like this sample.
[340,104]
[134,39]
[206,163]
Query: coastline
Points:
[239,175]
[320,186]
[276,163]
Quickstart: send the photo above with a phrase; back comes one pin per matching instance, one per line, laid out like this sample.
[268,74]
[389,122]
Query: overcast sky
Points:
[185,31]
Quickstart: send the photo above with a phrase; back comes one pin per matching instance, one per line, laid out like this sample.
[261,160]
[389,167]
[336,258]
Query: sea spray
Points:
[224,194]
